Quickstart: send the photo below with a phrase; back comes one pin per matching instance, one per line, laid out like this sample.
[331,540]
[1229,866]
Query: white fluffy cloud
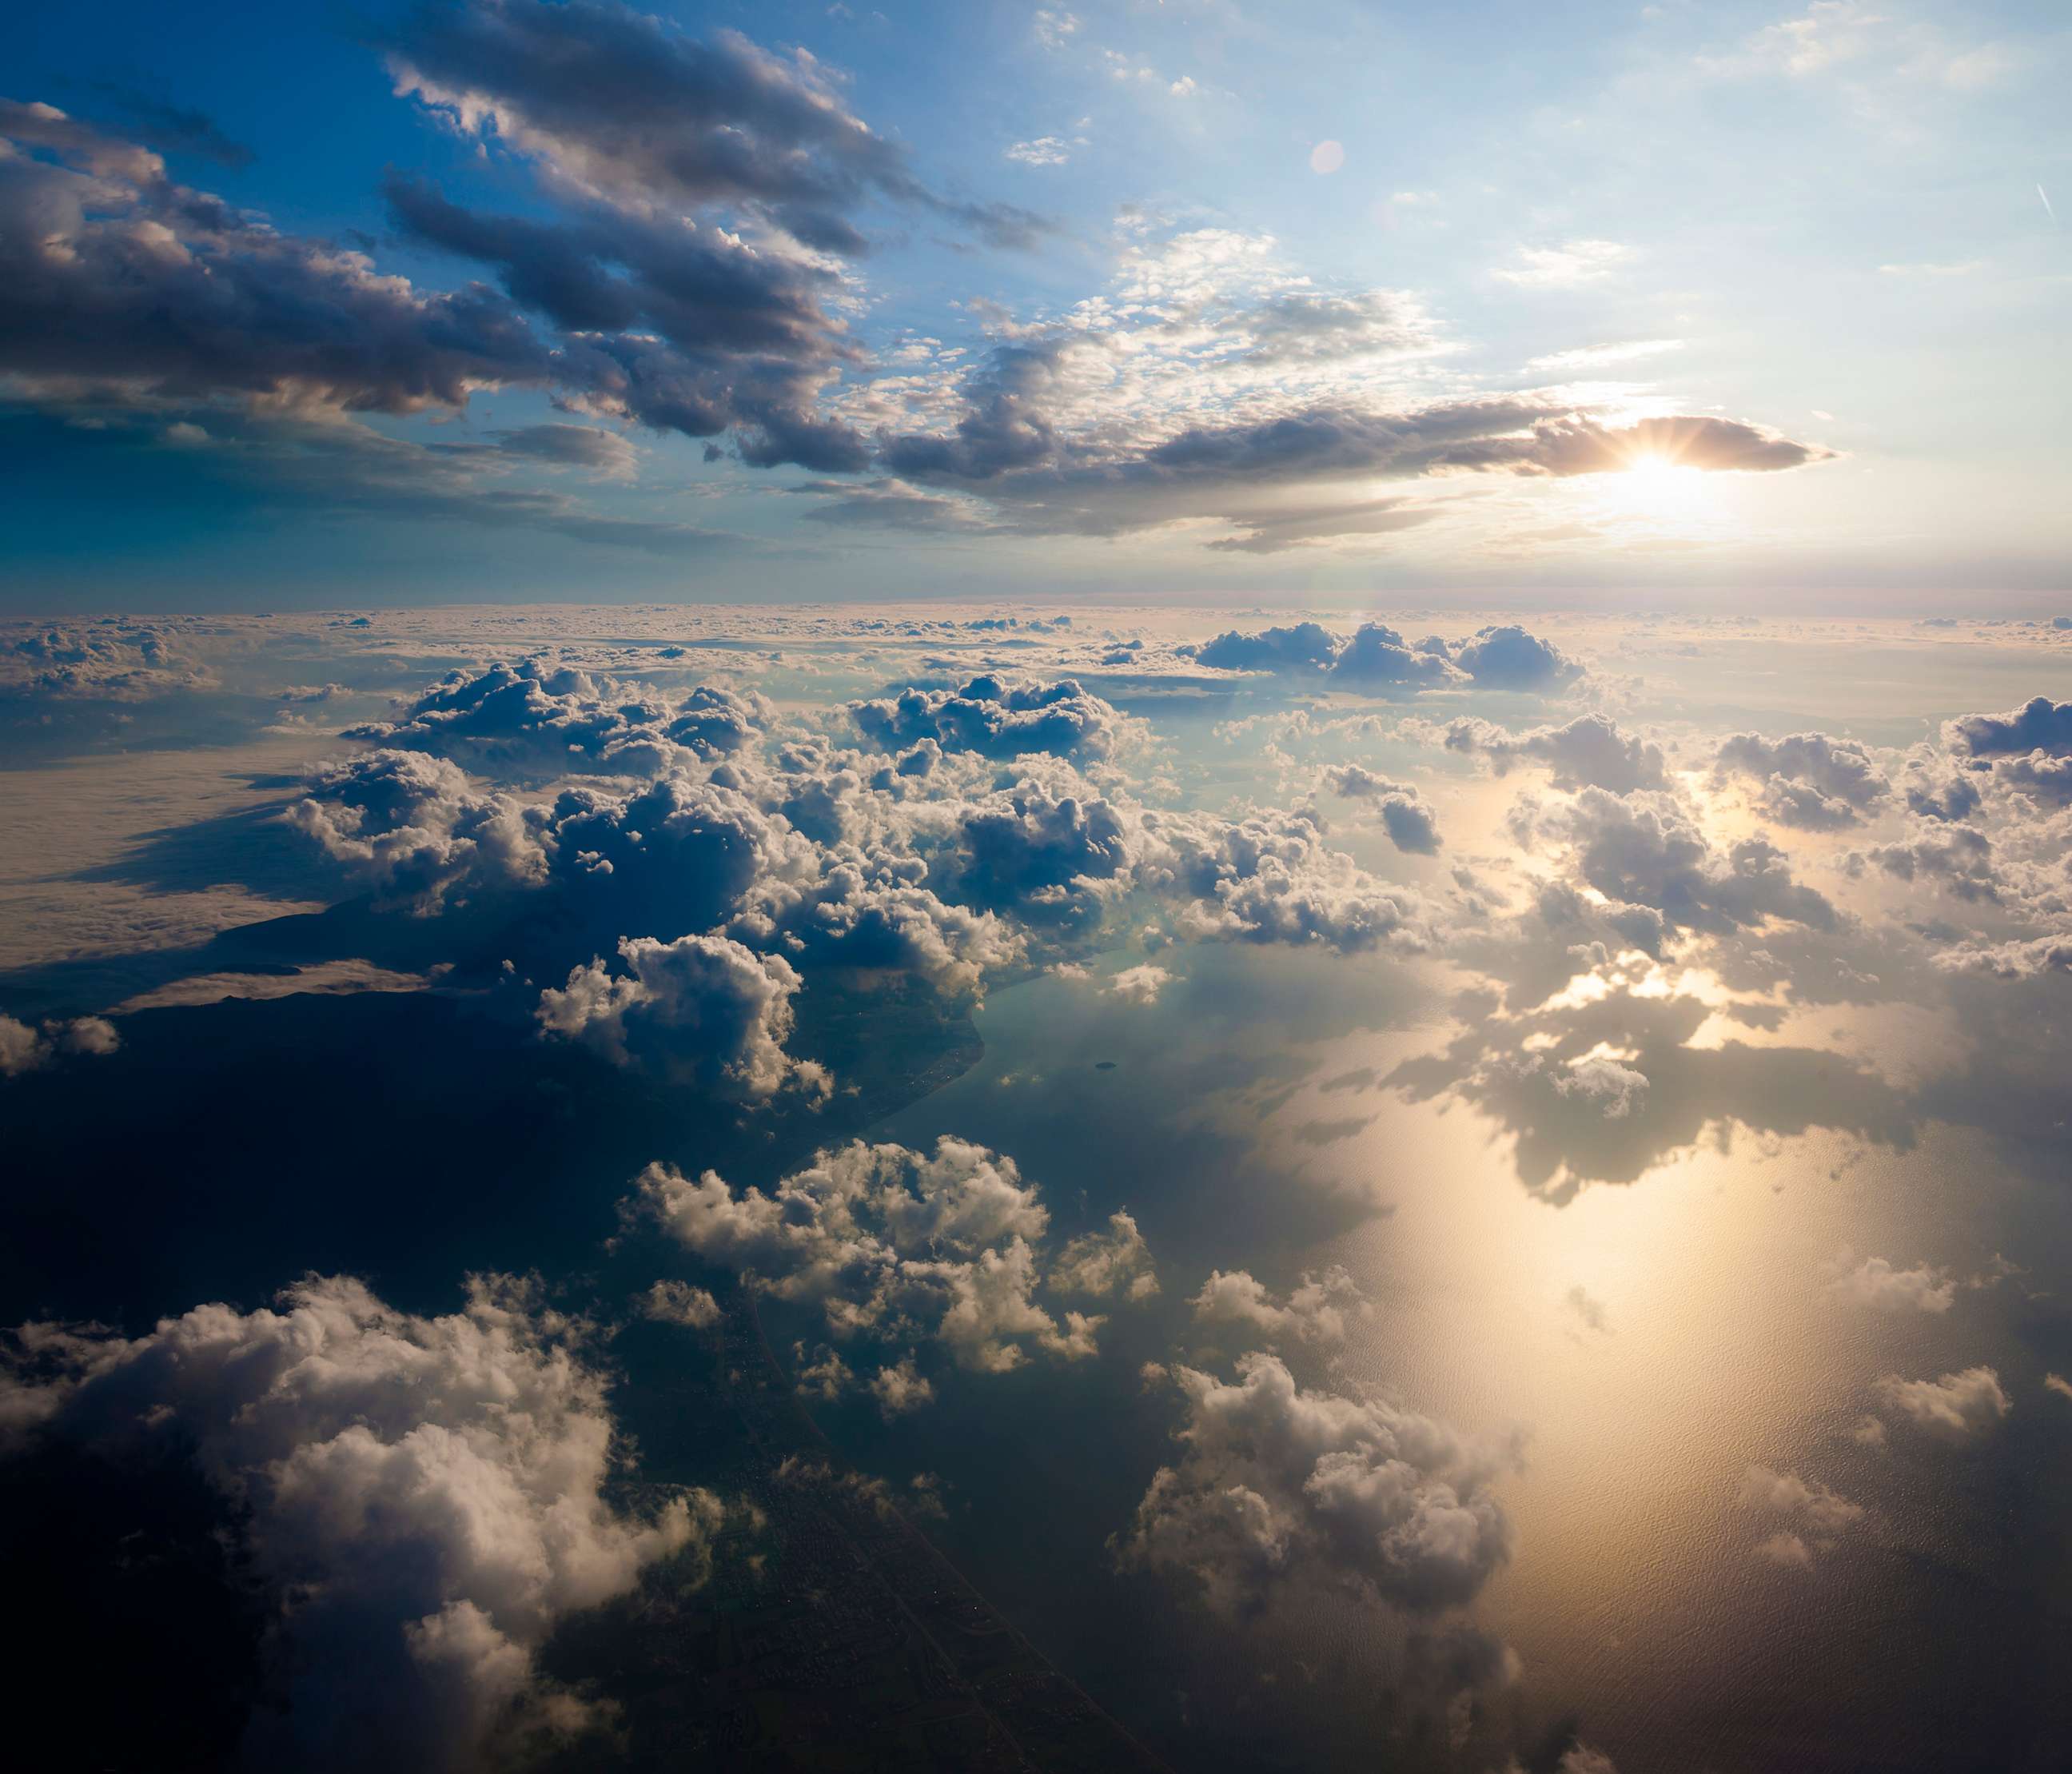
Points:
[1317,1310]
[1279,1485]
[898,1247]
[423,1497]
[1876,1283]
[1116,1261]
[1957,1407]
[533,716]
[723,1010]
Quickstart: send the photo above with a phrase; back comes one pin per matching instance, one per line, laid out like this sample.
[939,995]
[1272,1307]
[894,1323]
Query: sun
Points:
[1658,483]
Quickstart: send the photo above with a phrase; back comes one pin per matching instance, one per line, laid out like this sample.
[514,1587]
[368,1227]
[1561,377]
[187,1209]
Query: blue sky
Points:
[1224,303]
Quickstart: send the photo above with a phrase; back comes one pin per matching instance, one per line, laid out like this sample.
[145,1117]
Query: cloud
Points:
[1270,878]
[421,1498]
[25,1049]
[175,129]
[1810,781]
[1590,751]
[1643,849]
[603,453]
[1138,985]
[111,660]
[1957,1407]
[706,1005]
[678,1302]
[2038,725]
[1318,1310]
[1569,266]
[1116,1261]
[114,280]
[901,1388]
[1306,644]
[1045,151]
[892,1245]
[1404,813]
[615,107]
[1876,1283]
[1602,1083]
[1602,356]
[998,717]
[1278,1486]
[413,827]
[1815,1516]
[1510,657]
[530,713]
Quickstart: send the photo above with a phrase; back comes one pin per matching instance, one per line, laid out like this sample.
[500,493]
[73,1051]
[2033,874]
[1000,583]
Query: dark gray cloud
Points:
[2038,725]
[1576,1117]
[115,281]
[616,105]
[174,129]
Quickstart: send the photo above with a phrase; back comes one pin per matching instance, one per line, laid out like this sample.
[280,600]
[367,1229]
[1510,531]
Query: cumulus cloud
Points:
[1404,813]
[1377,659]
[1139,985]
[1643,849]
[2038,725]
[892,1245]
[423,1499]
[1876,1283]
[1278,1486]
[24,1049]
[113,659]
[678,1302]
[1957,1408]
[1116,1261]
[997,719]
[531,714]
[1318,1310]
[1591,750]
[713,1007]
[1269,877]
[1809,779]
[413,827]
[1510,657]
[1813,1516]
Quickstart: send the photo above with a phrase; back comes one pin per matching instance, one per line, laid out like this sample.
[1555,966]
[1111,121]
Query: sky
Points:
[1734,306]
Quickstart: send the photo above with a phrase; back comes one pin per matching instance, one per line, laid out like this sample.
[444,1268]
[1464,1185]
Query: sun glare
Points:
[1657,483]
